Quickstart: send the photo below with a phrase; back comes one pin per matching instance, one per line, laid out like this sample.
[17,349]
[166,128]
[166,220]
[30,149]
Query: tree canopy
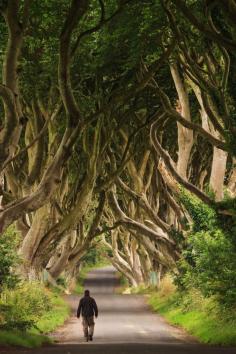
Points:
[118,126]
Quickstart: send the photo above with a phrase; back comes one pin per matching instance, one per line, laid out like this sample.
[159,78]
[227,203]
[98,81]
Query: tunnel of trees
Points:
[118,132]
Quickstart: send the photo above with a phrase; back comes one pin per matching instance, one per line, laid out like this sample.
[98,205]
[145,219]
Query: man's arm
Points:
[95,308]
[79,309]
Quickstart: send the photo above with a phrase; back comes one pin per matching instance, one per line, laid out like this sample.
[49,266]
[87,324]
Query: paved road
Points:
[125,325]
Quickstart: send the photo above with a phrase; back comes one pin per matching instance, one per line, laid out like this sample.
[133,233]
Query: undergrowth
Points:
[202,317]
[31,313]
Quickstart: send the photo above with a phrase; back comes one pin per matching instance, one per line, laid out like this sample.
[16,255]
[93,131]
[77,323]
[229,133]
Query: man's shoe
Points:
[91,337]
[87,338]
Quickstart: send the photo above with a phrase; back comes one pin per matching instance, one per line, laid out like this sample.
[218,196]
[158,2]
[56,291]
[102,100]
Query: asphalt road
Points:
[125,325]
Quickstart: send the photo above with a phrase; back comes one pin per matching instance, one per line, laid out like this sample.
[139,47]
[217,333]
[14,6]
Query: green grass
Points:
[48,322]
[54,318]
[208,327]
[22,339]
[123,284]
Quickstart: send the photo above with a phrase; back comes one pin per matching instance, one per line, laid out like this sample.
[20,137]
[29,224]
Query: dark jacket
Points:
[88,307]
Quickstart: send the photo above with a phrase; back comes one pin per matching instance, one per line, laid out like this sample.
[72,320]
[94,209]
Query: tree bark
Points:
[219,159]
[40,224]
[185,136]
[60,261]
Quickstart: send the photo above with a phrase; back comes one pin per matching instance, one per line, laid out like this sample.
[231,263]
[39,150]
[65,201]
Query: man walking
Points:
[88,307]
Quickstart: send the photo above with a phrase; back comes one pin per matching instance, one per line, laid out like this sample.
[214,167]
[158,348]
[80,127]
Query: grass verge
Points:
[208,326]
[36,337]
[204,318]
[123,287]
[22,339]
[54,318]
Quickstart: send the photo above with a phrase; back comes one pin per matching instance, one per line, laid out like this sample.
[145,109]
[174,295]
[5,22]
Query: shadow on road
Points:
[93,348]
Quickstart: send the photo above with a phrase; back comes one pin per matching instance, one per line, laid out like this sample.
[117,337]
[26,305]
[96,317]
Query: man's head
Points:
[86,293]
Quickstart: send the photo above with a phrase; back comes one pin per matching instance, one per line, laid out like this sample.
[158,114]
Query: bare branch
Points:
[171,167]
[187,124]
[134,225]
[37,137]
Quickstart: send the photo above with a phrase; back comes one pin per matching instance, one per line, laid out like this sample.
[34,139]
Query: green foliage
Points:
[204,217]
[230,139]
[91,261]
[213,265]
[209,259]
[9,242]
[94,257]
[22,339]
[228,204]
[177,236]
[201,317]
[91,257]
[61,281]
[53,318]
[48,322]
[23,306]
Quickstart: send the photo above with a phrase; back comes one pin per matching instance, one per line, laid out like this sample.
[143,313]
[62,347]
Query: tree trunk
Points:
[34,235]
[61,261]
[218,167]
[232,180]
[218,170]
[185,136]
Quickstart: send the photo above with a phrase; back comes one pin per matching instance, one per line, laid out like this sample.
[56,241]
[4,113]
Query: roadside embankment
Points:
[206,323]
[202,317]
[29,313]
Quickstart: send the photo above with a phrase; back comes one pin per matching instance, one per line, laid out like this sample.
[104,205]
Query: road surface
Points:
[125,325]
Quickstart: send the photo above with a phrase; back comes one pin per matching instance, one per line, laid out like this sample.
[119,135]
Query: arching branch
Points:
[171,167]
